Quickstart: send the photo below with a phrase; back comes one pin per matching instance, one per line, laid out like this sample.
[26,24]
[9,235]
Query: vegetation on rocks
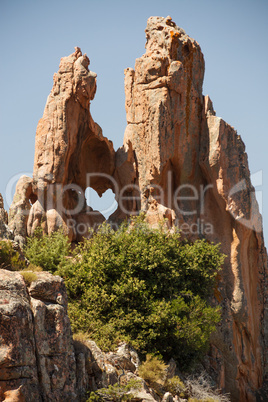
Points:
[116,393]
[140,285]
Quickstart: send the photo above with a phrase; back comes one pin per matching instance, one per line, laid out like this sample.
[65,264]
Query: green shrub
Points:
[47,251]
[9,258]
[143,286]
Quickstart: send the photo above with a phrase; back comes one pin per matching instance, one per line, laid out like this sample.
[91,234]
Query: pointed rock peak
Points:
[166,38]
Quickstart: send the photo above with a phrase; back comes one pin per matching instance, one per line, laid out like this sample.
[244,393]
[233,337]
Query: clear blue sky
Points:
[35,34]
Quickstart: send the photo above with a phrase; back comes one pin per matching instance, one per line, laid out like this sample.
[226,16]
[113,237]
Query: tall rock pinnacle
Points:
[164,104]
[69,150]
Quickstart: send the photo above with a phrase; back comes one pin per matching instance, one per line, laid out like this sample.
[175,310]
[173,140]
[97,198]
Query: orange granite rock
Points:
[232,209]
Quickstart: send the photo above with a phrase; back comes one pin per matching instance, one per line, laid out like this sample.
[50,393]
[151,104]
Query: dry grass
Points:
[201,389]
[28,277]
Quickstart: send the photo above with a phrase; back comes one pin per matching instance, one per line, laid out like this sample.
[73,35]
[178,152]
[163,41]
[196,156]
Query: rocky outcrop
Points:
[179,161]
[239,351]
[37,355]
[69,144]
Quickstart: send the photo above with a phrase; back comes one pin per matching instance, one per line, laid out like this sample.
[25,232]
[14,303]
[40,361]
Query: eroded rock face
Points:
[69,144]
[18,369]
[233,212]
[37,361]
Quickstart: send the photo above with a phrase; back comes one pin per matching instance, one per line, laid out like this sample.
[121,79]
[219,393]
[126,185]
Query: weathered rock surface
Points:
[101,370]
[179,161]
[69,144]
[37,361]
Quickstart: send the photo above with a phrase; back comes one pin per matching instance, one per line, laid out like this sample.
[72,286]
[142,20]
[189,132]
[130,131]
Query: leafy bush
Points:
[154,372]
[9,258]
[143,286]
[47,251]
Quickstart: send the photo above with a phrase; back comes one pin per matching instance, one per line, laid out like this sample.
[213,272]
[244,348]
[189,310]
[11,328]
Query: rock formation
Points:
[70,150]
[179,161]
[239,351]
